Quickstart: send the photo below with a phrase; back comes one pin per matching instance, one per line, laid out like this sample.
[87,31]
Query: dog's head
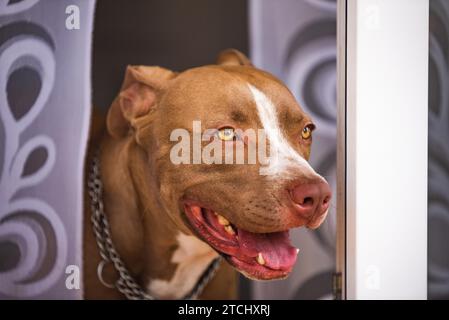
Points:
[243,210]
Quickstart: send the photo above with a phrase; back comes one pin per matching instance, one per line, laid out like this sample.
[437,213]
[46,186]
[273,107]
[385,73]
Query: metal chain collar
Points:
[125,283]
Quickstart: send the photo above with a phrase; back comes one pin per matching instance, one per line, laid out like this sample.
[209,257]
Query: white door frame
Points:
[382,148]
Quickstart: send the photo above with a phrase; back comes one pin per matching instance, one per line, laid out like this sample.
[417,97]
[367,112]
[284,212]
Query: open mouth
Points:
[261,256]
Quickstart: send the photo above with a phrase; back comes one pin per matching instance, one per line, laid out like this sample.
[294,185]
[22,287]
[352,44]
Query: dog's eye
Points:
[226,134]
[306,132]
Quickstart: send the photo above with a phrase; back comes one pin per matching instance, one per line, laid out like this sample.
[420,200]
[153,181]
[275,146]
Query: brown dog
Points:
[170,221]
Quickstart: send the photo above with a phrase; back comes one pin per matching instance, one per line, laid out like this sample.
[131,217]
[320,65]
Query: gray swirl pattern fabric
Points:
[438,210]
[44,113]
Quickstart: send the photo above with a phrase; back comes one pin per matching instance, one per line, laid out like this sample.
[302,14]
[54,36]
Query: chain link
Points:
[125,283]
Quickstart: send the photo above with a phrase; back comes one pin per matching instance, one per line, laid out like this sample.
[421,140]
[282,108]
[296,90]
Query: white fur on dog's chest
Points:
[192,258]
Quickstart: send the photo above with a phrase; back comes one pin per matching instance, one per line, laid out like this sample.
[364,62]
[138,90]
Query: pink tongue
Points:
[275,247]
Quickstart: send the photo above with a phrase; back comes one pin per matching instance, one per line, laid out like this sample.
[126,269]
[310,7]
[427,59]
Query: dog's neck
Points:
[161,258]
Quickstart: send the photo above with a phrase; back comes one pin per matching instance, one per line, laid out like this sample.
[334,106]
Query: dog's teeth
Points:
[222,220]
[297,250]
[260,259]
[229,230]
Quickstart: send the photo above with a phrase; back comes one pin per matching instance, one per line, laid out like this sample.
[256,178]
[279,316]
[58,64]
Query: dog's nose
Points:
[311,199]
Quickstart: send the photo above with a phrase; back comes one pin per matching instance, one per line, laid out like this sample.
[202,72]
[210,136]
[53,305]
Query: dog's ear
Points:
[138,95]
[233,57]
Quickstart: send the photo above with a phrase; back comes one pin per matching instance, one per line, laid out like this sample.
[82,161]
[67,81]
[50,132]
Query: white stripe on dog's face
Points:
[282,156]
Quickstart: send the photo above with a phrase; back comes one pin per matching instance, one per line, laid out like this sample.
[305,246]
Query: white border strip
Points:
[387,86]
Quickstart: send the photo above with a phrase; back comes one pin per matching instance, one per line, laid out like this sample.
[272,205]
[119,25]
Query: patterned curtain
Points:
[44,116]
[438,250]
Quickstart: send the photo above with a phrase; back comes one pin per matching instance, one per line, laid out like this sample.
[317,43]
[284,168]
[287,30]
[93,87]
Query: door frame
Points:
[382,87]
